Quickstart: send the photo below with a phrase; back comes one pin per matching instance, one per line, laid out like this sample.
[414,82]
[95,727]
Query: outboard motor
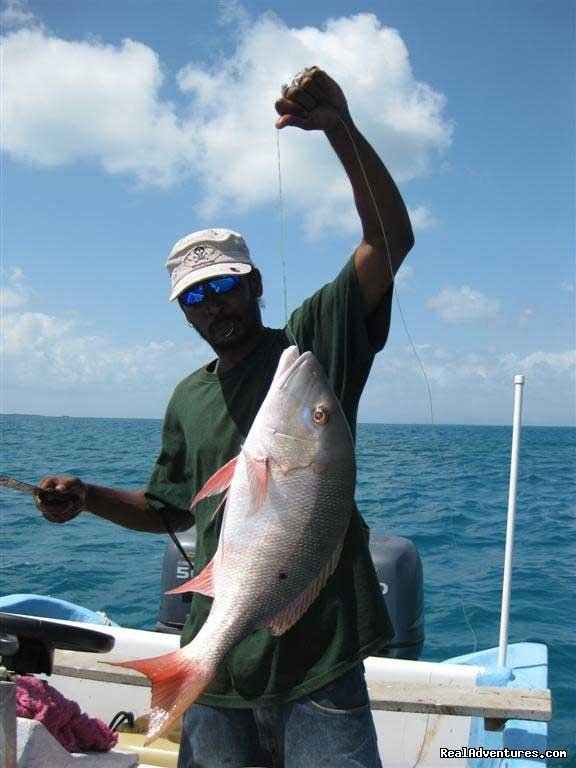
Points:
[174,609]
[399,571]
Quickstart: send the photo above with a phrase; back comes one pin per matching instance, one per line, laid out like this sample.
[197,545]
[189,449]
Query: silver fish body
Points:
[287,511]
[272,554]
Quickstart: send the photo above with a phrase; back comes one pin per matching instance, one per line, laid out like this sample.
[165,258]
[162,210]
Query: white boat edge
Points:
[406,740]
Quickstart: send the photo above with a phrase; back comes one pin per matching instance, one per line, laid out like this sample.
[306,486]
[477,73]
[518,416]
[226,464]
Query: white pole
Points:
[505,611]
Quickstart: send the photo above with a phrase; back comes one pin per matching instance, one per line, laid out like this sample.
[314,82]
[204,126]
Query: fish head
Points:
[301,422]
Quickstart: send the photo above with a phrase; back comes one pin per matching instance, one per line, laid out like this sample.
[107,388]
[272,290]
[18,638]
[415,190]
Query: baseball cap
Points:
[205,254]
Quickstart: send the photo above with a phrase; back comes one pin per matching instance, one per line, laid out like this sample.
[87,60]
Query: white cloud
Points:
[560,362]
[320,216]
[403,116]
[43,354]
[567,286]
[470,387]
[232,12]
[525,317]
[14,292]
[16,14]
[47,352]
[50,365]
[458,305]
[67,101]
[422,218]
[404,275]
[30,331]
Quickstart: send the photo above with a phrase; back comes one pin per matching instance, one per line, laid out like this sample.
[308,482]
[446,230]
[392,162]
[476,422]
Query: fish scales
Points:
[289,520]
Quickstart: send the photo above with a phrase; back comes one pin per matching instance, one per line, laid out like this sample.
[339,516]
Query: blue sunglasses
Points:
[197,293]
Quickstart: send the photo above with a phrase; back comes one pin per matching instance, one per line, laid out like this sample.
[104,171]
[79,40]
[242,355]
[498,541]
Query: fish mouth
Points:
[286,375]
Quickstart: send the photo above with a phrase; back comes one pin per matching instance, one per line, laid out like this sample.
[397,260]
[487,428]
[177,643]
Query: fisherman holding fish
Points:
[286,601]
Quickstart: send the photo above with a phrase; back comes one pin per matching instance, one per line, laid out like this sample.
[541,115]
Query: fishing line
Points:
[282,228]
[413,347]
[416,355]
[175,539]
[398,304]
[389,257]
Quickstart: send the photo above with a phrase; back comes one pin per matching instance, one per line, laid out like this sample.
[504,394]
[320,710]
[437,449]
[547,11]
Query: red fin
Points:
[258,474]
[177,682]
[203,583]
[219,481]
[297,608]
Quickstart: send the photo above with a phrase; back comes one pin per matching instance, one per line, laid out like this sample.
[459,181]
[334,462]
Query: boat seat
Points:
[27,646]
[496,705]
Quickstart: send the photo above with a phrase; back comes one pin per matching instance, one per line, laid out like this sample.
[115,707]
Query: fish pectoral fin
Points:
[203,583]
[258,476]
[177,681]
[298,607]
[219,482]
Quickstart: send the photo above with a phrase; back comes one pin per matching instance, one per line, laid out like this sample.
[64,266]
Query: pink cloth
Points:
[76,731]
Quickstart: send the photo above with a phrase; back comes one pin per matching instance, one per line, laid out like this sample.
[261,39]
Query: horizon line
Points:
[359,423]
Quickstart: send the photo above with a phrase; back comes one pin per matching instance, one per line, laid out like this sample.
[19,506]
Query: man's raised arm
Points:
[314,101]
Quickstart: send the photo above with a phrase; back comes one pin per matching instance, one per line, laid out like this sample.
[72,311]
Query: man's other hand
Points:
[73,500]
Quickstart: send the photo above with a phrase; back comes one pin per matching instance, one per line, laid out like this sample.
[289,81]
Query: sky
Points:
[127,124]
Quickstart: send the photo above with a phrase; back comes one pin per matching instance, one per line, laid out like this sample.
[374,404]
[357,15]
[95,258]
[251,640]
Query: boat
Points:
[479,710]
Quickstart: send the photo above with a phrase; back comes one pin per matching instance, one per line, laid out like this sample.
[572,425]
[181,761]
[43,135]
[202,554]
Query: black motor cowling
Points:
[399,571]
[175,571]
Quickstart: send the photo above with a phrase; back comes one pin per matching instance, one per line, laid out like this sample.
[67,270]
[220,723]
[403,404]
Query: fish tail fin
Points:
[177,681]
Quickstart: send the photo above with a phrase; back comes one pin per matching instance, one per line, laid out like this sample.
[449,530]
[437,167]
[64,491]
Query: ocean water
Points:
[444,487]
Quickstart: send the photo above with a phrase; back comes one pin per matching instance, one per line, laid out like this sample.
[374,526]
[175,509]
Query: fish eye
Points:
[320,415]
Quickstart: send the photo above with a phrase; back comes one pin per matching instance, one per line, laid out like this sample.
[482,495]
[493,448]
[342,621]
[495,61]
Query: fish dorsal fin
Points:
[219,482]
[258,471]
[298,607]
[203,583]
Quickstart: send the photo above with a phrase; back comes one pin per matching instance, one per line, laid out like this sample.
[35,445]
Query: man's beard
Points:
[232,331]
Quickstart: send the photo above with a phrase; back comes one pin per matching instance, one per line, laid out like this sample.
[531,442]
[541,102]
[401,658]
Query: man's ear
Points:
[256,282]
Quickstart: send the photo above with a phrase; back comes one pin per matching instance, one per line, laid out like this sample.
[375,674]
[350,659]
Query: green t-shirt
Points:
[207,420]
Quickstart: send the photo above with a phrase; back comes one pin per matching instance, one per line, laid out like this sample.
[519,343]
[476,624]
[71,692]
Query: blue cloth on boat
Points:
[51,608]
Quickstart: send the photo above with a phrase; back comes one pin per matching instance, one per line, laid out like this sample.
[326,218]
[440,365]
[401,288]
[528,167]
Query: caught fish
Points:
[288,504]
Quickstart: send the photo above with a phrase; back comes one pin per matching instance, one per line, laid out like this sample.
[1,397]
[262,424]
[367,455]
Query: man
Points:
[299,700]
